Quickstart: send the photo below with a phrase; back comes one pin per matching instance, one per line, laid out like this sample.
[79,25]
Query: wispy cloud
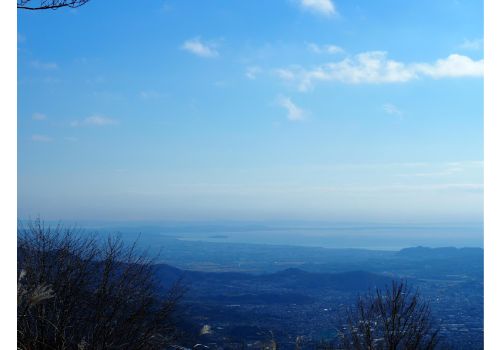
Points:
[41,138]
[321,7]
[288,74]
[395,188]
[391,109]
[39,116]
[329,49]
[199,48]
[95,120]
[252,72]
[445,169]
[475,44]
[374,67]
[43,65]
[294,112]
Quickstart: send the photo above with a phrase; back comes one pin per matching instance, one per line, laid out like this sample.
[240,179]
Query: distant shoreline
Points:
[390,237]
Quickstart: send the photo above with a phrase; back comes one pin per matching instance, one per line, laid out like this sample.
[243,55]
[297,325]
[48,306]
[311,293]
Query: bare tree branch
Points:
[49,4]
[78,292]
[393,319]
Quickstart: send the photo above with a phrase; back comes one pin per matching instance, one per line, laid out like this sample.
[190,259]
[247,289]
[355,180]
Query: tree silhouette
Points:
[79,292]
[393,319]
[49,4]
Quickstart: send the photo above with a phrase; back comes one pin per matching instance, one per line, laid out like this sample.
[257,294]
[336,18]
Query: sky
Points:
[318,110]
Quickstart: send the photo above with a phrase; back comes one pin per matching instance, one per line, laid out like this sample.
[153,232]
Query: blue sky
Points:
[356,111]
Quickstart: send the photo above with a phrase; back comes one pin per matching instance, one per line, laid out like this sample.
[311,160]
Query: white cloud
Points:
[391,109]
[43,65]
[322,7]
[95,120]
[41,138]
[39,116]
[453,66]
[294,113]
[374,67]
[475,44]
[252,72]
[199,48]
[329,49]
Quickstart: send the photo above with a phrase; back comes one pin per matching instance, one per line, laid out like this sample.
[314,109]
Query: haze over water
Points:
[363,236]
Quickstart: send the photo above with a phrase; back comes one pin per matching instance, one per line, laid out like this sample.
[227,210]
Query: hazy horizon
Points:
[372,236]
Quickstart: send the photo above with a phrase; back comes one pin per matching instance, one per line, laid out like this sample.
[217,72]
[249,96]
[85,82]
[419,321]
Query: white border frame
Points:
[491,175]
[8,174]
